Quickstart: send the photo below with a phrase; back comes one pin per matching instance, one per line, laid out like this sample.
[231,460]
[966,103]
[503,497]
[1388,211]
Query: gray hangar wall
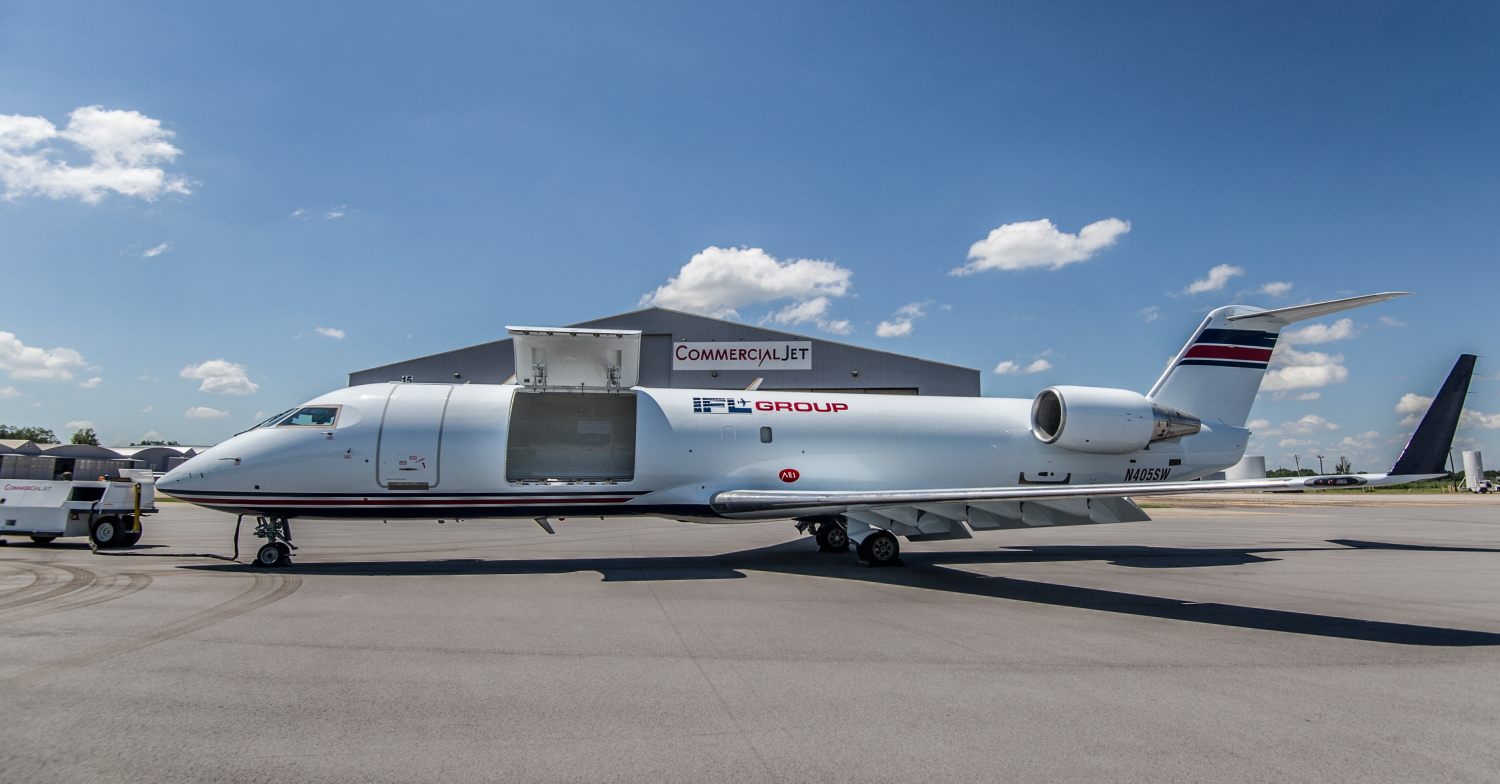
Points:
[836,367]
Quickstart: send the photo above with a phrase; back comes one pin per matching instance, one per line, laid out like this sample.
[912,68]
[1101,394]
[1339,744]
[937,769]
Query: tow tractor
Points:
[107,510]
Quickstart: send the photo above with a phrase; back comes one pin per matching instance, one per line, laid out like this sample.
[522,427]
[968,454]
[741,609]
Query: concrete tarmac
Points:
[1277,644]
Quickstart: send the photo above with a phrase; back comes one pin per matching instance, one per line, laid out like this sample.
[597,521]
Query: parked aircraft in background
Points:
[575,437]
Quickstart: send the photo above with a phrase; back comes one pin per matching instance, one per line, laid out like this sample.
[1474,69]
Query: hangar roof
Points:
[836,367]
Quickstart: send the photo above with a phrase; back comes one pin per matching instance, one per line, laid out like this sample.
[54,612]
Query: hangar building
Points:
[688,351]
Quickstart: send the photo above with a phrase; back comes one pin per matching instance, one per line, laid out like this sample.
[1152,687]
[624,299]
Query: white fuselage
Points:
[684,451]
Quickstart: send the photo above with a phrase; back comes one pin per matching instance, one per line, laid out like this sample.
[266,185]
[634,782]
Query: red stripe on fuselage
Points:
[1241,353]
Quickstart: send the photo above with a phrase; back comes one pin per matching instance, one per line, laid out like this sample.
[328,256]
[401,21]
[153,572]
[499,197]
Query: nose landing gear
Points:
[277,551]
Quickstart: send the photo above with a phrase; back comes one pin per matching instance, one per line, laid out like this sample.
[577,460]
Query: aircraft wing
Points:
[752,504]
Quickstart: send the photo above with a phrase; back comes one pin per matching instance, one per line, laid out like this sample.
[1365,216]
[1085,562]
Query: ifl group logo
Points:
[720,405]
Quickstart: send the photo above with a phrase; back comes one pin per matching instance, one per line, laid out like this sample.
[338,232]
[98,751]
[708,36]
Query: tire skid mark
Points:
[47,586]
[105,590]
[38,578]
[267,589]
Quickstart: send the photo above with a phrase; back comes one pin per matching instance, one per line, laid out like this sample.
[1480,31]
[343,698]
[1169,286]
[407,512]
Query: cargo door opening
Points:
[571,437]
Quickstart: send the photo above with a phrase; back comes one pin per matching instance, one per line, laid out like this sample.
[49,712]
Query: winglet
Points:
[1428,448]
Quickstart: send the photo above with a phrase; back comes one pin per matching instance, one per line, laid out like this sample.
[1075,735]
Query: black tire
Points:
[286,553]
[130,538]
[880,549]
[106,533]
[270,556]
[832,538]
[43,539]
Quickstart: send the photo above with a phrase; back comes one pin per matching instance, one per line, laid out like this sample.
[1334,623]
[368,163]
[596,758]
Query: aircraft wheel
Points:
[106,533]
[832,538]
[272,556]
[130,538]
[880,549]
[43,539]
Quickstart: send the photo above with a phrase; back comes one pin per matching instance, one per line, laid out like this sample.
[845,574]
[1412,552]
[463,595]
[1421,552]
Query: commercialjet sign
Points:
[785,355]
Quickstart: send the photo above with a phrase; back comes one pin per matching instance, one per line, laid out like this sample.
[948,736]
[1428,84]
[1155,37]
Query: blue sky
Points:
[415,177]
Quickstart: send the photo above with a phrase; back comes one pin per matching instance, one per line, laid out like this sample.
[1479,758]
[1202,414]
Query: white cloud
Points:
[1217,277]
[157,251]
[300,211]
[1306,426]
[1276,288]
[1286,443]
[1009,368]
[1312,423]
[78,424]
[1387,321]
[221,377]
[1415,406]
[92,383]
[1150,314]
[33,364]
[899,328]
[717,281]
[336,212]
[1363,441]
[147,409]
[902,321]
[151,435]
[1284,395]
[799,312]
[123,147]
[1038,243]
[330,332]
[1293,369]
[807,310]
[204,412]
[1321,333]
[9,392]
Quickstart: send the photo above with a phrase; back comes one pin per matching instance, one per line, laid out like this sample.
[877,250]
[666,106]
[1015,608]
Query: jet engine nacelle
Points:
[1105,421]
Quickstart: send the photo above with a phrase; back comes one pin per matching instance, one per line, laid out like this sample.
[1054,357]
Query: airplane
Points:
[849,469]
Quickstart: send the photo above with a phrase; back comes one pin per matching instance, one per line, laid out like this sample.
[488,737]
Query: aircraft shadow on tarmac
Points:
[929,570]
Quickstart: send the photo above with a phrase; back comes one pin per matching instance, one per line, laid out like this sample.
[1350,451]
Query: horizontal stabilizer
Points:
[1428,448]
[1295,313]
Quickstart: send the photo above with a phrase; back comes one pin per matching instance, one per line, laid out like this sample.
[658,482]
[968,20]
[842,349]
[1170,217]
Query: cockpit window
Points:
[274,419]
[312,416]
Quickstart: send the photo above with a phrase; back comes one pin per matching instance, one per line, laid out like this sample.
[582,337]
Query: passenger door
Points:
[411,435]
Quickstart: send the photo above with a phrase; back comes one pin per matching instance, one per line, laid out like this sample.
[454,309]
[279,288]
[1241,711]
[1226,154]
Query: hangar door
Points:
[411,435]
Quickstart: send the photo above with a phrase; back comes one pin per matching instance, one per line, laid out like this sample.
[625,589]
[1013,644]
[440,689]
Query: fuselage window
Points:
[765,435]
[312,416]
[273,420]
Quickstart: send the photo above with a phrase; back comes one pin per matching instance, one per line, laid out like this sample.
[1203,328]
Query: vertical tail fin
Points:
[1218,373]
[1428,448]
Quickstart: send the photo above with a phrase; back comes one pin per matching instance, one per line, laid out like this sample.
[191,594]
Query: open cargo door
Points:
[571,437]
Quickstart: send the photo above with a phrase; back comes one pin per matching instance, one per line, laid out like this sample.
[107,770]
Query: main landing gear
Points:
[277,551]
[880,549]
[876,547]
[828,531]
